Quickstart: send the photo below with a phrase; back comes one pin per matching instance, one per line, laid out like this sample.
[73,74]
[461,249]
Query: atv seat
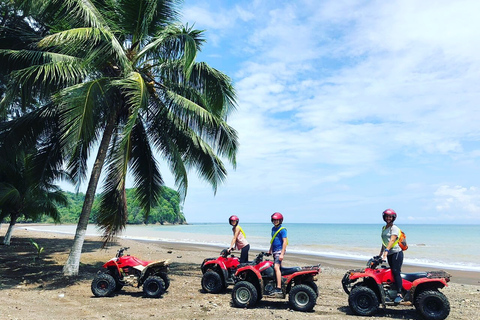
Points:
[248,263]
[413,276]
[287,271]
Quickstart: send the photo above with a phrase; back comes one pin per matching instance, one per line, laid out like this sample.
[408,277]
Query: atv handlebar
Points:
[120,251]
[260,256]
[374,262]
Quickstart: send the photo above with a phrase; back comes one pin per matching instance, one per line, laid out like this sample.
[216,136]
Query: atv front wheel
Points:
[363,301]
[212,282]
[103,285]
[244,294]
[432,305]
[302,298]
[153,287]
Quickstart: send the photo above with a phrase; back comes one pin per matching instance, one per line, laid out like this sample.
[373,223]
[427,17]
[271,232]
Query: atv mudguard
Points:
[354,275]
[151,269]
[214,264]
[419,284]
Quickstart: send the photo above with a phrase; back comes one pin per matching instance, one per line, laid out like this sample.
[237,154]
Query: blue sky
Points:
[346,108]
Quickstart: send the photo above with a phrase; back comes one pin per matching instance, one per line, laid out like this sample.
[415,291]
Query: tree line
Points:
[168,209]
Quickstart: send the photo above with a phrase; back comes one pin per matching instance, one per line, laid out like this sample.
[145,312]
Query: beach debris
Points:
[170,251]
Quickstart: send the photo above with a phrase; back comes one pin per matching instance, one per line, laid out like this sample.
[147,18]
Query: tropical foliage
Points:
[118,77]
[25,191]
[168,209]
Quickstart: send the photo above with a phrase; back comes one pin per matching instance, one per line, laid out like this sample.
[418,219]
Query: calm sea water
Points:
[445,246]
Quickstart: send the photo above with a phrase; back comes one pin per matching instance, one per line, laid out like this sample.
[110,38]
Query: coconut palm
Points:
[23,193]
[122,77]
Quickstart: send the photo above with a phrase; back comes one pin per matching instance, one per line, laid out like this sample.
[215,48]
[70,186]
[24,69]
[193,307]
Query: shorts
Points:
[275,255]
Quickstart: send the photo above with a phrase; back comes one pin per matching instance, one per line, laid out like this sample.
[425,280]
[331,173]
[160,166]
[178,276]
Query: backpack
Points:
[401,240]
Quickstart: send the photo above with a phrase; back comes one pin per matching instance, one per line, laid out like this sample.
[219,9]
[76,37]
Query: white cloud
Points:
[349,105]
[461,201]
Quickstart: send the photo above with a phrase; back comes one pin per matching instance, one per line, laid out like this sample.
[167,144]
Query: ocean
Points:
[445,246]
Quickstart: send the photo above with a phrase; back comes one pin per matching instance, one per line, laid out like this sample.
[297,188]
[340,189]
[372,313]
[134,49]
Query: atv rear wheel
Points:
[165,279]
[432,305]
[363,301]
[312,285]
[212,282]
[103,285]
[244,294]
[153,287]
[302,298]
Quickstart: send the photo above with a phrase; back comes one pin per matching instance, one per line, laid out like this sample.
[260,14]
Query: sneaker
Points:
[276,292]
[398,299]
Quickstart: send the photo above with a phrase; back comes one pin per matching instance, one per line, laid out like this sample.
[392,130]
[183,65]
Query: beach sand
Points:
[32,289]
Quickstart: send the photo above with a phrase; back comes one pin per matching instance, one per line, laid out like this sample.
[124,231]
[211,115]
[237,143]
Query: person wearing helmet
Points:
[278,246]
[239,240]
[391,251]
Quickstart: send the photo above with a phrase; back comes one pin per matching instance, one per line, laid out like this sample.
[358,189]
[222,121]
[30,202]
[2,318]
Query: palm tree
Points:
[23,192]
[131,87]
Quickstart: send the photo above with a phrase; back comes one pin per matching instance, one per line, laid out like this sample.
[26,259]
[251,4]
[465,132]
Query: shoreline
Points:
[291,258]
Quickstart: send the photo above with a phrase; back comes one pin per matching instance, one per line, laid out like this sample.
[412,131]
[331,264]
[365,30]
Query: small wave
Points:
[412,262]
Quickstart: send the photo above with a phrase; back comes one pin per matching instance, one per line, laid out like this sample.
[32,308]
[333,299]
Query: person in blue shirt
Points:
[277,248]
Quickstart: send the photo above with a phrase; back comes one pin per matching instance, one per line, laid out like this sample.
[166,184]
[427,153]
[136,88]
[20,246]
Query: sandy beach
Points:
[37,290]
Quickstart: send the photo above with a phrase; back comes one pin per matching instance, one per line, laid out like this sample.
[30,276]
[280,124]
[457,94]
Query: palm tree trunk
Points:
[8,235]
[73,262]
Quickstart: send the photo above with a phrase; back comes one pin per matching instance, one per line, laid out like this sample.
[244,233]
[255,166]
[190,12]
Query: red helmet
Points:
[233,218]
[389,212]
[277,216]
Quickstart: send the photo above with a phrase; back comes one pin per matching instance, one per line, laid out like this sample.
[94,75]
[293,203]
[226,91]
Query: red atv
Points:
[256,280]
[131,271]
[375,286]
[218,272]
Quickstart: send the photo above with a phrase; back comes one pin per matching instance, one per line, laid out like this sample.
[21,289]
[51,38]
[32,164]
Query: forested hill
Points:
[168,209]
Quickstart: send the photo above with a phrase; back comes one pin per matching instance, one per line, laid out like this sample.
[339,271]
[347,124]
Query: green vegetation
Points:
[38,248]
[168,209]
[119,78]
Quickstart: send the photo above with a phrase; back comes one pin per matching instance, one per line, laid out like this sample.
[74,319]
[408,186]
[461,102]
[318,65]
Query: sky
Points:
[345,109]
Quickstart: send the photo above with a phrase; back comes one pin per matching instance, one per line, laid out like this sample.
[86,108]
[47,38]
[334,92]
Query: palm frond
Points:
[80,109]
[148,181]
[142,18]
[112,214]
[42,80]
[76,12]
[173,43]
[89,43]
[216,87]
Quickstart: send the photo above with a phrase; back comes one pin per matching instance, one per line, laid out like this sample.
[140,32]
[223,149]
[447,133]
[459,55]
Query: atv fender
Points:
[423,284]
[304,275]
[250,269]
[147,270]
[218,267]
[361,275]
[250,274]
[367,281]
